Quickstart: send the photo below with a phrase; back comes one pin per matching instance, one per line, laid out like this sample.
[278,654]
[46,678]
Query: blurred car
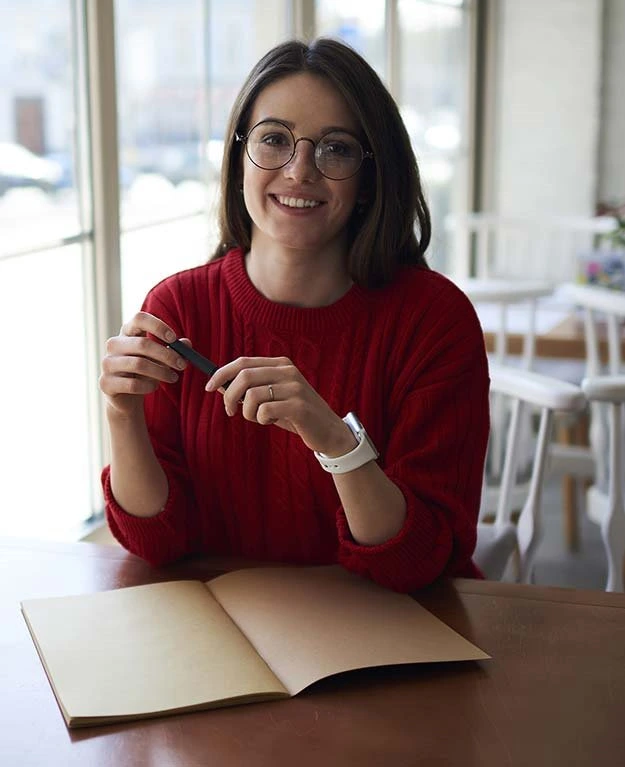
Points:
[177,162]
[19,167]
[68,178]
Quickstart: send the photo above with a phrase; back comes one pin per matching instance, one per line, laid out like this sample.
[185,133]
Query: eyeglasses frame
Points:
[243,137]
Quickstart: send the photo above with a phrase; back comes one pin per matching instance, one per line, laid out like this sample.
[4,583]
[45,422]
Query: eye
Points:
[340,148]
[274,139]
[270,135]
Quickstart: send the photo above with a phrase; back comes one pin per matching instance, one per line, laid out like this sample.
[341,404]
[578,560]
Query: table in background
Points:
[553,693]
[563,340]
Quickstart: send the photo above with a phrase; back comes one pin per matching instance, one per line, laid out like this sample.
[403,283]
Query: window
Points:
[432,94]
[46,478]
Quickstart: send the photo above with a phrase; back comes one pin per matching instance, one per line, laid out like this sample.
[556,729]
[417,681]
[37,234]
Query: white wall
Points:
[547,107]
[612,147]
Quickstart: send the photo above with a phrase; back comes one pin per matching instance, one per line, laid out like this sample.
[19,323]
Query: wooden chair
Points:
[503,545]
[605,503]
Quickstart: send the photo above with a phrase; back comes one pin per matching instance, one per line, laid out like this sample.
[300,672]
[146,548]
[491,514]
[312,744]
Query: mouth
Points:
[296,202]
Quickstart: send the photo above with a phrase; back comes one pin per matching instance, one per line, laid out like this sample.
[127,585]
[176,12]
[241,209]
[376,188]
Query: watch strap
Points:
[364,451]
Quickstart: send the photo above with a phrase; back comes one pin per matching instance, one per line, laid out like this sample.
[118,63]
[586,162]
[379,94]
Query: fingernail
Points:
[228,411]
[181,364]
[170,335]
[209,386]
[174,377]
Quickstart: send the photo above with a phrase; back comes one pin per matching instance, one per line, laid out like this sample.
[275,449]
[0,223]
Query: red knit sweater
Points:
[408,359]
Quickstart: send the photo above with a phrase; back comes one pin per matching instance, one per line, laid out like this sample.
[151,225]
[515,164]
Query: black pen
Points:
[195,358]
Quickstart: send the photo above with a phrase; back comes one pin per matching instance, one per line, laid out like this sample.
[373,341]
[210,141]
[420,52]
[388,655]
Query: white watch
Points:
[363,452]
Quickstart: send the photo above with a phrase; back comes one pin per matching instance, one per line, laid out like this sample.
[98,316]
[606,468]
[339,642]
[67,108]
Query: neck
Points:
[297,278]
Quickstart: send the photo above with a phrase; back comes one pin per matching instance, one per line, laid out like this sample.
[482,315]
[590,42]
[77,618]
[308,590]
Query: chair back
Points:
[610,390]
[604,325]
[604,316]
[509,247]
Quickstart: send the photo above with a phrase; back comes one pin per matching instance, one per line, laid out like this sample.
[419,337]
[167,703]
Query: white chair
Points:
[512,247]
[605,503]
[498,541]
[506,296]
[604,318]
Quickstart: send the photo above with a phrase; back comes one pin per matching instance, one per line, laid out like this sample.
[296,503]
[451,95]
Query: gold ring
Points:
[270,392]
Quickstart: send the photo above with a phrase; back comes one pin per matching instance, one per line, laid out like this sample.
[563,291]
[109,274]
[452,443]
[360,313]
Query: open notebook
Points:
[250,635]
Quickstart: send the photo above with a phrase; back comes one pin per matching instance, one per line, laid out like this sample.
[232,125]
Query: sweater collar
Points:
[250,302]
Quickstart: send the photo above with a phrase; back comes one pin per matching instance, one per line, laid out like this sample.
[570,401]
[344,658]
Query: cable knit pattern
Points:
[408,359]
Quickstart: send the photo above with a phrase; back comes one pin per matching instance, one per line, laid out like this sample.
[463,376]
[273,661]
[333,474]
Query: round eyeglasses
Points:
[271,144]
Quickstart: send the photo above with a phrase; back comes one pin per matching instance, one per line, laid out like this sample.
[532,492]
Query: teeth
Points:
[296,202]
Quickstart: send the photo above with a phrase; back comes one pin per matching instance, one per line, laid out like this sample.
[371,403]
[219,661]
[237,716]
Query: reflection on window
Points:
[38,202]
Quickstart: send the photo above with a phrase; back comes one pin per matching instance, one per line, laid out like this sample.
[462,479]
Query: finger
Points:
[140,367]
[264,416]
[143,323]
[116,385]
[275,413]
[144,347]
[256,397]
[233,369]
[248,379]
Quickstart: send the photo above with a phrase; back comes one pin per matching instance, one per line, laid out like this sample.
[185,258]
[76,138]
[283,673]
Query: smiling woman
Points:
[346,368]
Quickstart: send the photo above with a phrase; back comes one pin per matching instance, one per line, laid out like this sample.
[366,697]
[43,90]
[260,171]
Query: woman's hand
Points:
[135,364]
[271,390]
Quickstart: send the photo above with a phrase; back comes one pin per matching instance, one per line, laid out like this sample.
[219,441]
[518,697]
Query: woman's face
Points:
[295,206]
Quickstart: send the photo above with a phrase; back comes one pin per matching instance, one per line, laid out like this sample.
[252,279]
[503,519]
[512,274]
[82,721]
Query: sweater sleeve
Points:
[435,454]
[170,534]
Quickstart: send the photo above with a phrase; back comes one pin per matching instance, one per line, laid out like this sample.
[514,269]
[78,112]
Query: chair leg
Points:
[570,526]
[570,513]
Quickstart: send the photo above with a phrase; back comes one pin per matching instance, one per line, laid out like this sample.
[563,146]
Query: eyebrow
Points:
[323,130]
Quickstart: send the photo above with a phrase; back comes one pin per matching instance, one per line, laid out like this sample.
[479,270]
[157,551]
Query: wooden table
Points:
[553,693]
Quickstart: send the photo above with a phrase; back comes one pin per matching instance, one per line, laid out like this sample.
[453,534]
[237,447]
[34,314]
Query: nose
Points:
[301,167]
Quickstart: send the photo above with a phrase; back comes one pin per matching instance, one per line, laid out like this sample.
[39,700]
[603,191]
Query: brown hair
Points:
[393,227]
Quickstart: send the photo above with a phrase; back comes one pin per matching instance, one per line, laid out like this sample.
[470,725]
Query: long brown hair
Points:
[393,227]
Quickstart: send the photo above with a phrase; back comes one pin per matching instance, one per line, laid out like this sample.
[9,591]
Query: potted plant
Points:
[605,265]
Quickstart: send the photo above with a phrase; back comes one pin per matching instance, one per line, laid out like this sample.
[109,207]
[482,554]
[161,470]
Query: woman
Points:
[317,304]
